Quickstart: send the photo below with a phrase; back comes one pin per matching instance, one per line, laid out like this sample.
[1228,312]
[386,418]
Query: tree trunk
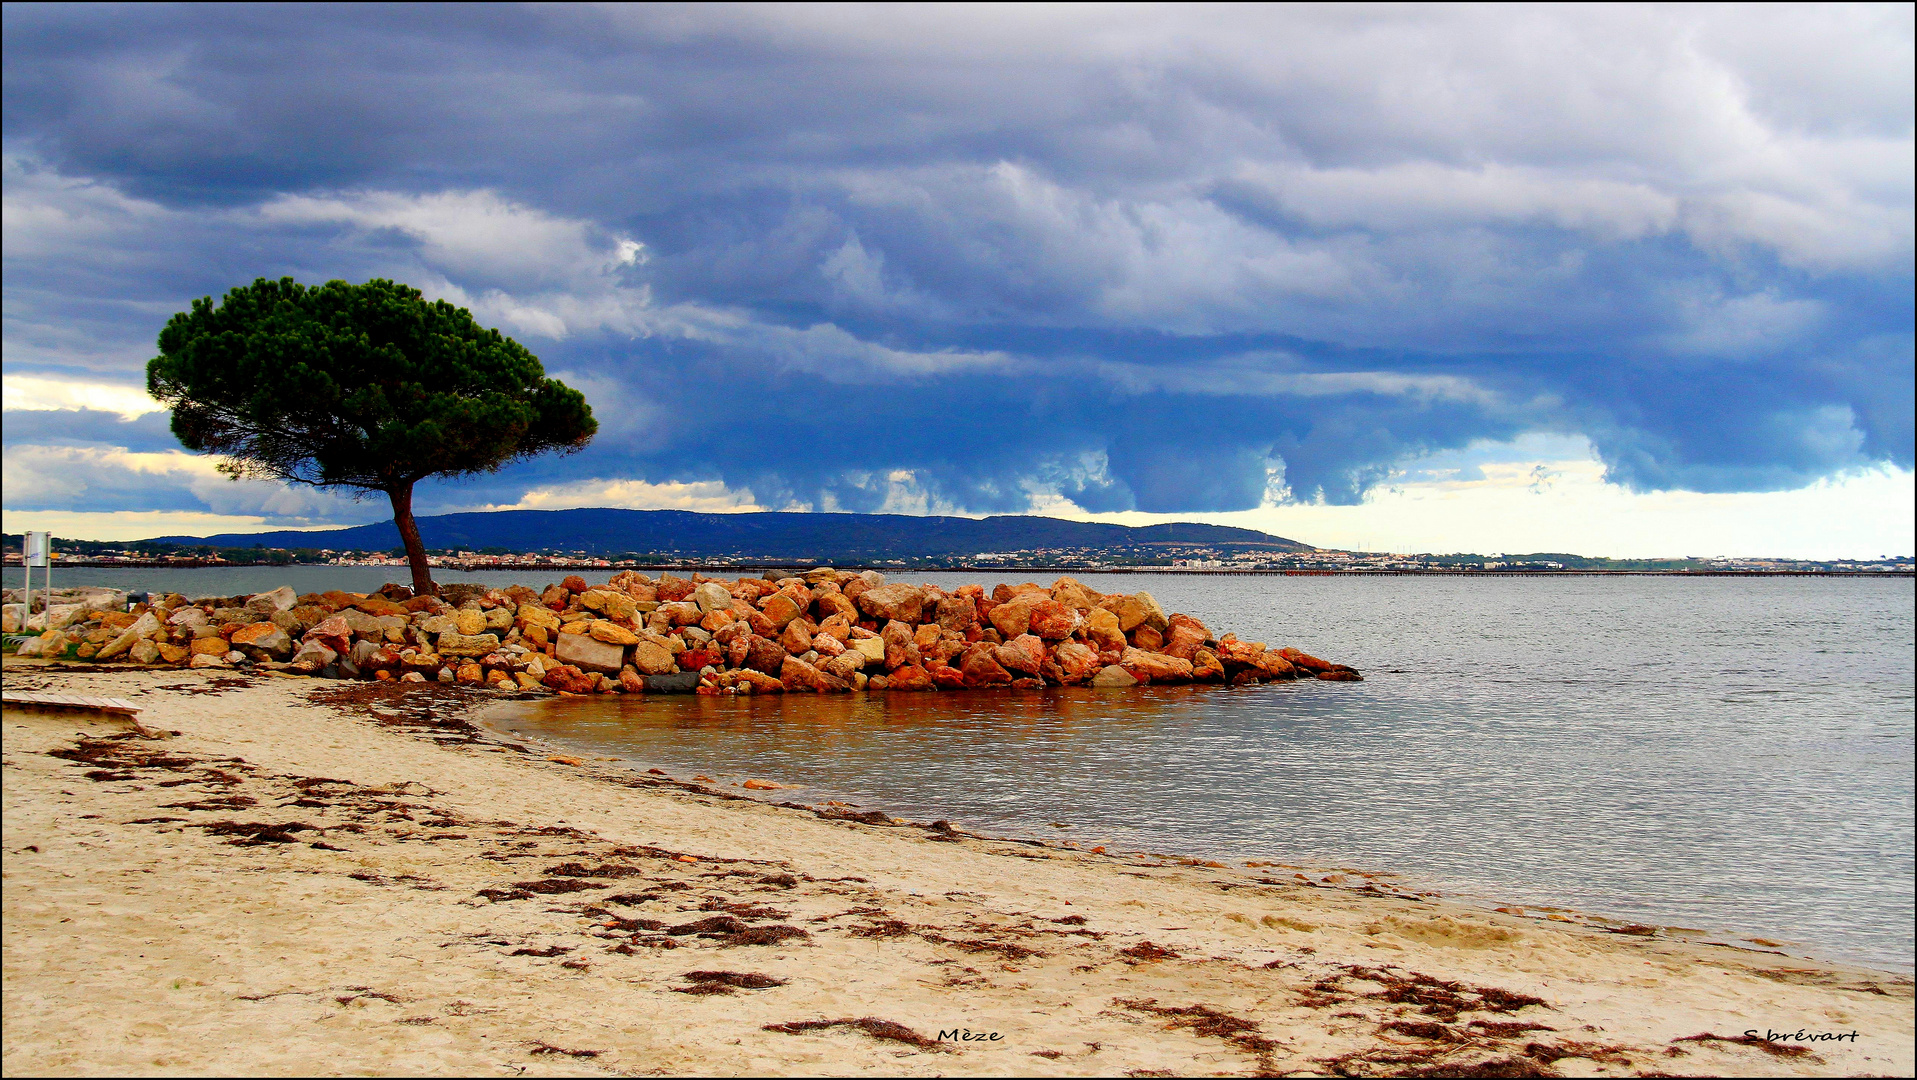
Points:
[409,535]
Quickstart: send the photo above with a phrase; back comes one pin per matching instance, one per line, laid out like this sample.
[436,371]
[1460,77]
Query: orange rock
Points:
[1013,616]
[1076,662]
[1024,654]
[1156,667]
[1274,664]
[1304,660]
[835,604]
[909,677]
[379,606]
[1205,666]
[797,675]
[1144,637]
[570,680]
[209,646]
[957,613]
[946,677]
[982,670]
[1102,628]
[1052,620]
[573,583]
[797,637]
[759,682]
[781,609]
[1185,637]
[896,601]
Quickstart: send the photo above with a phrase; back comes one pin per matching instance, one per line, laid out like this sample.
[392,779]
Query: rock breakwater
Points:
[823,631]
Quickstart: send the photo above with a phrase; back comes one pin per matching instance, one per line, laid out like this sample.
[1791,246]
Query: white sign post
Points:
[35,548]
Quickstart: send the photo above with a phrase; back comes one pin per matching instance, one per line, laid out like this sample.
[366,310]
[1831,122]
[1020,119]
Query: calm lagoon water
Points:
[1723,753]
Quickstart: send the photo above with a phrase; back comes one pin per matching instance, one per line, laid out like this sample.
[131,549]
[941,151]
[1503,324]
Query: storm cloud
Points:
[982,259]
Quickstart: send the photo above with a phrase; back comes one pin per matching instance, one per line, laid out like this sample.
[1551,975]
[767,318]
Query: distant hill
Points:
[822,537]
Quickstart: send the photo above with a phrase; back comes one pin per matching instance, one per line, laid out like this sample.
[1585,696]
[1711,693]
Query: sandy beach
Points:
[292,876]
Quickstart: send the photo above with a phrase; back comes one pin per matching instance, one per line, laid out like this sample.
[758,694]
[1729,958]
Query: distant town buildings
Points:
[1142,558]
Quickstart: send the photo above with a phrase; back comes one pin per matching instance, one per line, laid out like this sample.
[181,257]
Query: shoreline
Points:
[1402,884]
[354,876]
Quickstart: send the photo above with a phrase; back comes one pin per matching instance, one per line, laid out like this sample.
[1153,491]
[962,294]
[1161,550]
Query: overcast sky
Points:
[1612,280]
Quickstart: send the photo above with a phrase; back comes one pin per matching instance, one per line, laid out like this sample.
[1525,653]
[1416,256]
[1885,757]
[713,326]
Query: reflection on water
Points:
[1727,754]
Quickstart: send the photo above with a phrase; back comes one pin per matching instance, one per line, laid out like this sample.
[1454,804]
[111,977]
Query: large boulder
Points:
[141,628]
[1139,609]
[531,615]
[765,655]
[835,604]
[378,606]
[1076,661]
[671,587]
[186,618]
[587,653]
[265,636]
[843,665]
[1013,616]
[1155,667]
[1102,627]
[900,648]
[1052,620]
[267,603]
[1113,678]
[333,633]
[650,659]
[1185,636]
[1305,660]
[957,614]
[796,674]
[1277,665]
[906,603]
[569,680]
[612,633]
[470,644]
[712,596]
[612,603]
[781,608]
[909,677]
[797,638]
[1024,654]
[678,682]
[1237,653]
[980,669]
[214,645]
[312,655]
[1205,666]
[1073,595]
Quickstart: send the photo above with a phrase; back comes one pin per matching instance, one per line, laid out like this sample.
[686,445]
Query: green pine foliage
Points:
[368,387]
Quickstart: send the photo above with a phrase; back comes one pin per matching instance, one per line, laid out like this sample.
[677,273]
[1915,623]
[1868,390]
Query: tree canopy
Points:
[370,387]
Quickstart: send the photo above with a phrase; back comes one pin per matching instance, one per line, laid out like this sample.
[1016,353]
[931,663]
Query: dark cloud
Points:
[1167,261]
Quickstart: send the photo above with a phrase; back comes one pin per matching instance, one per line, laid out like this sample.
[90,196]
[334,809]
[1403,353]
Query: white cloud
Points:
[703,496]
[35,393]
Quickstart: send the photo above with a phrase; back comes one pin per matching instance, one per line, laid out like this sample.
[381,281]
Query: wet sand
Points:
[332,878]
